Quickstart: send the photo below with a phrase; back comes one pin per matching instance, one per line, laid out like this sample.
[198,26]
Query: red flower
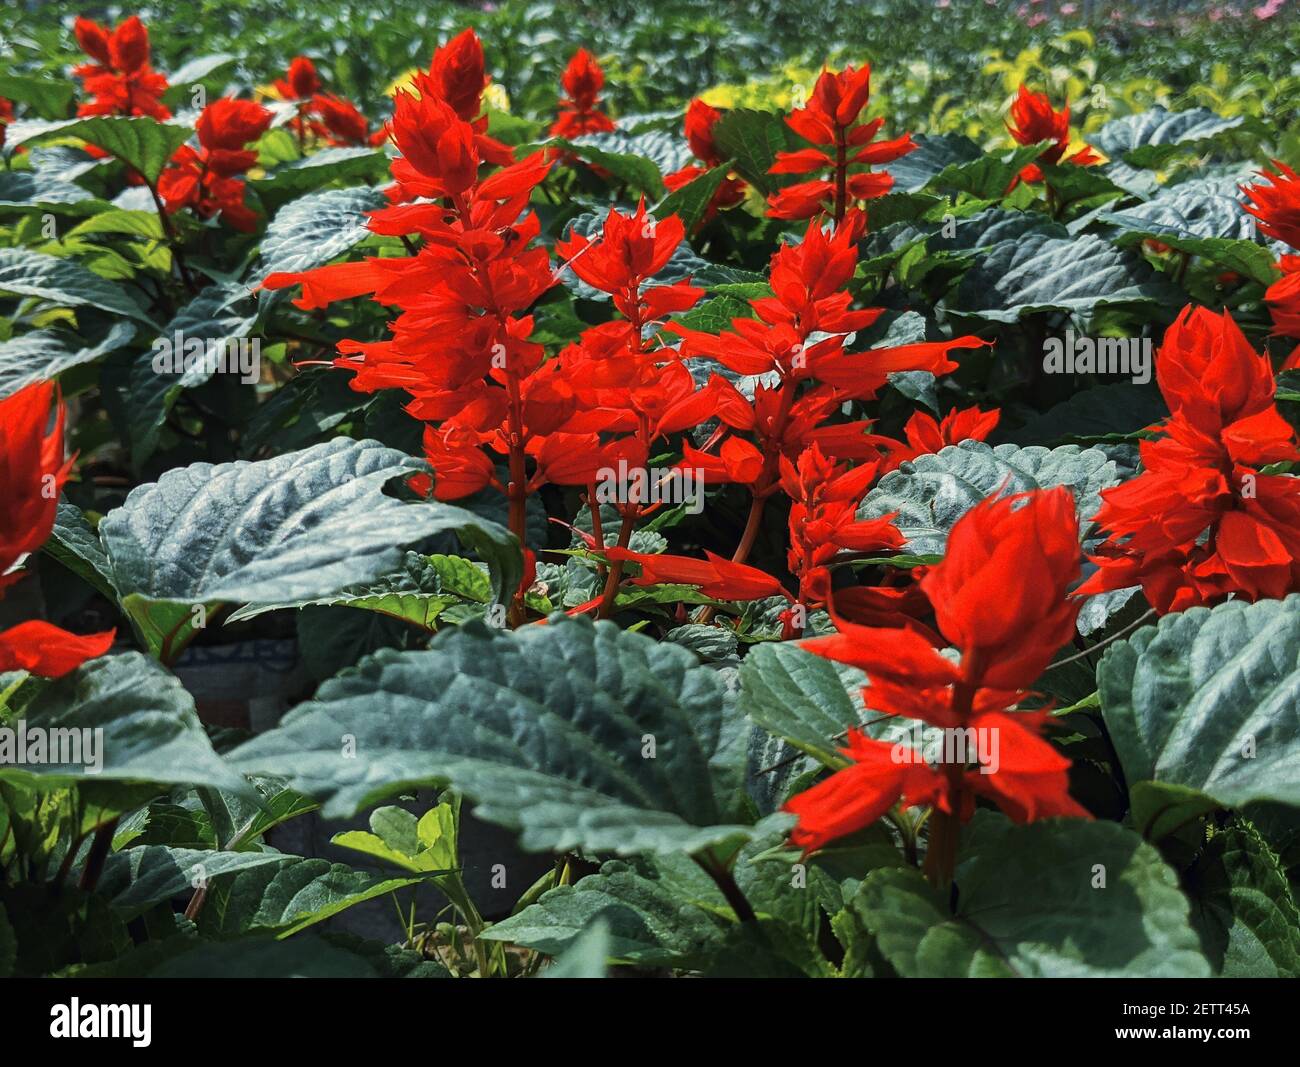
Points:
[1000,597]
[1033,120]
[579,107]
[300,82]
[343,123]
[700,120]
[925,435]
[32,471]
[1201,522]
[828,122]
[45,650]
[823,521]
[457,72]
[1283,299]
[1277,205]
[207,181]
[121,79]
[717,577]
[6,117]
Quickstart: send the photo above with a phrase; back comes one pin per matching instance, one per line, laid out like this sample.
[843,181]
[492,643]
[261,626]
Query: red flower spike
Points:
[1277,205]
[1033,120]
[209,181]
[579,107]
[828,122]
[120,79]
[1201,522]
[1010,617]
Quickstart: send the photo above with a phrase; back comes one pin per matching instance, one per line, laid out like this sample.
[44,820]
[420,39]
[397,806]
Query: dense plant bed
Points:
[826,523]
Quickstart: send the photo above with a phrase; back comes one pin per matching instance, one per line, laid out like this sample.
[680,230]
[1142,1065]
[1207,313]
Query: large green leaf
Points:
[1209,699]
[150,731]
[933,154]
[75,544]
[314,229]
[752,139]
[931,492]
[42,355]
[1149,138]
[143,144]
[51,98]
[612,152]
[1031,904]
[1243,908]
[577,735]
[1038,272]
[64,283]
[690,203]
[293,179]
[294,527]
[649,922]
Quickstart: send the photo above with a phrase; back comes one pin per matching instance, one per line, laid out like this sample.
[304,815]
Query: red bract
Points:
[828,122]
[32,472]
[300,82]
[121,79]
[1277,205]
[579,107]
[1201,522]
[1033,120]
[717,577]
[823,521]
[460,346]
[925,436]
[698,128]
[1000,598]
[208,181]
[6,117]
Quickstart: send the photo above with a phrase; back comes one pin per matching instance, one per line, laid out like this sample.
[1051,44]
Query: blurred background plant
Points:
[943,65]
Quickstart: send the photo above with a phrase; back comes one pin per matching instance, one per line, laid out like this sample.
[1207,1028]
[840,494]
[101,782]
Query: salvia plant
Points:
[529,520]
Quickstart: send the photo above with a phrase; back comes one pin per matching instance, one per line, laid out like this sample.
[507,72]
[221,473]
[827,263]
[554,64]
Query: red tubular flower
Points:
[579,107]
[342,123]
[6,117]
[208,181]
[925,436]
[1000,597]
[1201,522]
[823,522]
[1283,299]
[828,122]
[458,74]
[717,577]
[32,471]
[300,82]
[1033,120]
[698,128]
[1277,204]
[121,80]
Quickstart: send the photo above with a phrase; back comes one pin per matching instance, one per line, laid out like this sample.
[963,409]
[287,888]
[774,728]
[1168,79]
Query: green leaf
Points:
[291,180]
[308,956]
[1029,905]
[1243,908]
[1151,137]
[1115,411]
[543,727]
[314,229]
[690,203]
[1209,699]
[43,355]
[649,922]
[75,544]
[607,150]
[49,97]
[1043,273]
[931,492]
[288,897]
[293,528]
[585,958]
[150,731]
[420,845]
[800,697]
[933,154]
[990,175]
[64,283]
[752,139]
[143,144]
[40,192]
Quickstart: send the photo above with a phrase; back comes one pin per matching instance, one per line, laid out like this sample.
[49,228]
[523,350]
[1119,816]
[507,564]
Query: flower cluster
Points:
[580,106]
[999,596]
[326,116]
[698,128]
[120,79]
[209,180]
[1277,207]
[1202,521]
[1033,119]
[32,473]
[829,121]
